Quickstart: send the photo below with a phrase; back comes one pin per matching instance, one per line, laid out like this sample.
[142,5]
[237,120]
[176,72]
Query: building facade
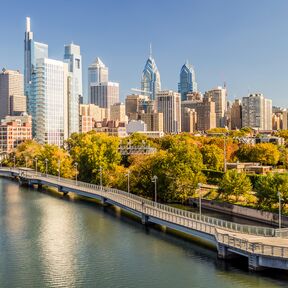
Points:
[73,58]
[236,115]
[187,81]
[12,98]
[257,112]
[168,103]
[14,130]
[117,112]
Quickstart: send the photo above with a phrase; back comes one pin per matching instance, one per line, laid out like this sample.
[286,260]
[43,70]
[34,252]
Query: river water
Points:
[47,240]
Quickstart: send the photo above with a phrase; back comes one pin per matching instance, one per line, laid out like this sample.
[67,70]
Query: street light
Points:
[76,173]
[59,166]
[26,160]
[14,159]
[200,200]
[128,180]
[46,167]
[100,169]
[154,180]
[225,152]
[280,218]
[36,159]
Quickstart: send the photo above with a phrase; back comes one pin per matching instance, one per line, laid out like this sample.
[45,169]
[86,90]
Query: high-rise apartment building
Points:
[189,120]
[50,85]
[105,94]
[257,112]
[150,81]
[12,98]
[153,120]
[73,58]
[14,130]
[117,112]
[187,81]
[236,115]
[168,103]
[219,96]
[97,73]
[32,51]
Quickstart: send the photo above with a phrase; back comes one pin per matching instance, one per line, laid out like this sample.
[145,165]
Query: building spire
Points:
[28,24]
[150,51]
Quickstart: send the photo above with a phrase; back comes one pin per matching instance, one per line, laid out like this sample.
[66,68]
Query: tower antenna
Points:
[150,55]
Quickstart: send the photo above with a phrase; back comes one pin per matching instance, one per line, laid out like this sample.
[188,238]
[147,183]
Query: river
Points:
[47,240]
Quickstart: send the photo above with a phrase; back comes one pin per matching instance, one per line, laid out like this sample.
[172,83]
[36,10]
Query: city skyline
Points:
[241,55]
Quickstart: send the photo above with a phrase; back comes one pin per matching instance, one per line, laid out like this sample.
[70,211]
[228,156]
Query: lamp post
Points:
[154,180]
[280,218]
[76,172]
[36,159]
[14,161]
[26,162]
[200,200]
[101,183]
[46,167]
[128,180]
[225,154]
[59,166]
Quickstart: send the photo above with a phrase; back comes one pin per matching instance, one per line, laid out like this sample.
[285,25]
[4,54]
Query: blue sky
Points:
[243,43]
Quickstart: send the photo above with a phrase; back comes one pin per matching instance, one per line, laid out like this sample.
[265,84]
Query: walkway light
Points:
[36,159]
[200,199]
[46,167]
[100,170]
[59,166]
[154,180]
[280,217]
[128,180]
[76,172]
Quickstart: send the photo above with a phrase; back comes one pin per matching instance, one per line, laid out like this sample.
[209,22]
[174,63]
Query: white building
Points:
[136,126]
[50,90]
[257,112]
[168,103]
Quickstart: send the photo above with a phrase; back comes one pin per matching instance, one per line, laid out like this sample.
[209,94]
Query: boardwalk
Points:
[261,245]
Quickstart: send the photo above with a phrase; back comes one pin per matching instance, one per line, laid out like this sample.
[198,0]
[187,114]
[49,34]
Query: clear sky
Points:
[243,43]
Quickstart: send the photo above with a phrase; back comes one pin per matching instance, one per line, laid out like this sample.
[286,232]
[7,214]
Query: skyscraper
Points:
[187,81]
[50,85]
[73,57]
[219,96]
[12,98]
[257,112]
[168,103]
[150,82]
[32,51]
[97,73]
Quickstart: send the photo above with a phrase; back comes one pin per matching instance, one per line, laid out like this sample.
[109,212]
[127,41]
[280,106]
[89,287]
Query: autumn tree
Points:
[213,157]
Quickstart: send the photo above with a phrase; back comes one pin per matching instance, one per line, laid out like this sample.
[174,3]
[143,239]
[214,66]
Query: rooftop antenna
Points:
[150,55]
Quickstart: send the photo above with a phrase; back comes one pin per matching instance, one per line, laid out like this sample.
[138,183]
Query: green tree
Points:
[235,184]
[213,157]
[265,153]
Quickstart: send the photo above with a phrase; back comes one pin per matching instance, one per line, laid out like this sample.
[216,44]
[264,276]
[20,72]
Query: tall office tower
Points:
[236,114]
[257,112]
[49,83]
[117,112]
[97,73]
[168,103]
[187,81]
[12,98]
[73,57]
[150,81]
[189,120]
[134,105]
[105,94]
[219,96]
[32,51]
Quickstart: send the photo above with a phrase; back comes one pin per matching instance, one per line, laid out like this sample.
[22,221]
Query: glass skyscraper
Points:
[73,57]
[187,81]
[150,82]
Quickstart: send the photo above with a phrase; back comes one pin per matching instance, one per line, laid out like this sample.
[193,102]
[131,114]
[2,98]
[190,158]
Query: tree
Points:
[213,157]
[265,153]
[235,184]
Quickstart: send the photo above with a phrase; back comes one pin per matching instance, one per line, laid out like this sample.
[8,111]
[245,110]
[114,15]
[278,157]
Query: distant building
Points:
[236,115]
[257,112]
[105,94]
[97,73]
[219,96]
[134,105]
[154,121]
[73,57]
[150,81]
[168,103]
[14,130]
[12,98]
[187,81]
[136,126]
[189,120]
[117,112]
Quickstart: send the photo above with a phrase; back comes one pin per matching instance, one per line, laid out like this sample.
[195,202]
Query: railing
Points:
[210,221]
[251,247]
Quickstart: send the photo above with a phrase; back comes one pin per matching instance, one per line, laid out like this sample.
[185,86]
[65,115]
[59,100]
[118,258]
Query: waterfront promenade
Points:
[261,245]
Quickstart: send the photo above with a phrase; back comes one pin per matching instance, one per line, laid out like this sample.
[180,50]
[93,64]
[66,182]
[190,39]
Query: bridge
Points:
[263,246]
